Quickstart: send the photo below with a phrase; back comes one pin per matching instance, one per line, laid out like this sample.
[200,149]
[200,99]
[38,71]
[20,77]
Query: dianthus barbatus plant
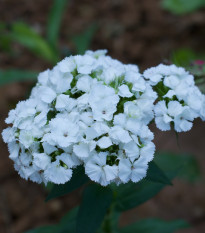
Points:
[94,111]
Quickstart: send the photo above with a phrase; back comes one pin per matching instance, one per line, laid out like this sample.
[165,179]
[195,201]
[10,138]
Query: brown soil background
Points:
[133,31]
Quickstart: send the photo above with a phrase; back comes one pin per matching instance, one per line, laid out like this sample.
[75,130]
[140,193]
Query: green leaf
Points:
[184,57]
[25,35]
[8,76]
[95,203]
[136,194]
[154,226]
[54,21]
[131,195]
[68,222]
[66,225]
[79,178]
[5,42]
[82,42]
[155,174]
[182,6]
[186,164]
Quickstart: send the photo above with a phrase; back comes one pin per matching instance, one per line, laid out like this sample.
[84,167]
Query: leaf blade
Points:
[82,41]
[79,178]
[29,38]
[12,75]
[95,198]
[155,174]
[54,21]
[133,195]
[186,164]
[154,226]
[182,6]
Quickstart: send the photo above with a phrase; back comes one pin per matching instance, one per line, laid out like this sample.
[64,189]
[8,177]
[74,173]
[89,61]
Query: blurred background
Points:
[34,35]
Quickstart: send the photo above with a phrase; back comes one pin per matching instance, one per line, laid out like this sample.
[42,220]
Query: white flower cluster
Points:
[180,101]
[94,111]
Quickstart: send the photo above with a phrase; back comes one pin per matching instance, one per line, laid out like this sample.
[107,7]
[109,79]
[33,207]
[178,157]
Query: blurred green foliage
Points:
[155,226]
[193,62]
[78,179]
[54,21]
[8,76]
[45,48]
[184,56]
[82,41]
[101,207]
[186,165]
[180,7]
[26,36]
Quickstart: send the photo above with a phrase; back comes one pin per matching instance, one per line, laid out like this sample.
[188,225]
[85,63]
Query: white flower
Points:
[132,150]
[14,149]
[147,151]
[162,119]
[202,110]
[82,150]
[98,171]
[63,132]
[70,160]
[124,91]
[110,74]
[85,83]
[26,138]
[60,81]
[96,54]
[100,92]
[137,81]
[153,75]
[131,67]
[104,142]
[85,64]
[9,134]
[64,102]
[134,171]
[43,77]
[41,160]
[119,134]
[182,122]
[103,110]
[46,94]
[57,174]
[67,65]
[180,115]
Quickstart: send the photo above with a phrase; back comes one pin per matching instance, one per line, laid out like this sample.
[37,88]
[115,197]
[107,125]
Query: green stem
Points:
[110,223]
[107,223]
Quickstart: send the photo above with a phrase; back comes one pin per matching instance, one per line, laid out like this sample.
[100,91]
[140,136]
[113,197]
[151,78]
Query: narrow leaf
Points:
[79,178]
[155,174]
[68,222]
[154,226]
[25,35]
[54,21]
[95,203]
[132,195]
[182,6]
[186,164]
[82,42]
[8,76]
